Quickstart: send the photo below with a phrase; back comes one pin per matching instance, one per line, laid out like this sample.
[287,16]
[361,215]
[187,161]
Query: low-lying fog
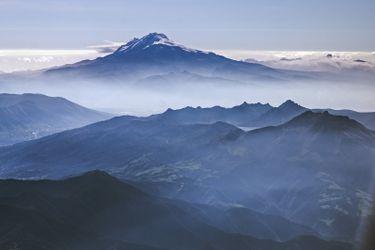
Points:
[118,98]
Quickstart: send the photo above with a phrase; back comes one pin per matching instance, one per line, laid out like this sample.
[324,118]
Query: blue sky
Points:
[345,25]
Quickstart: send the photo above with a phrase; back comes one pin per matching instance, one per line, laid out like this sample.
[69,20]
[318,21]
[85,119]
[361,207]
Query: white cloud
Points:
[24,59]
[307,60]
[108,47]
[33,59]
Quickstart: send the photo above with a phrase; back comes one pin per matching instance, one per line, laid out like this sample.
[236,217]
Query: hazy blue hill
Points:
[315,169]
[113,144]
[366,118]
[96,211]
[30,116]
[317,155]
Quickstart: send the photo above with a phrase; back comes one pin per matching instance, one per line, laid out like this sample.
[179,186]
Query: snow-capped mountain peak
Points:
[149,41]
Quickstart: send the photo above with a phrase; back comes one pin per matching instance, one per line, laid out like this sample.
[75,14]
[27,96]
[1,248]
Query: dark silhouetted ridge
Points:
[95,211]
[290,105]
[324,121]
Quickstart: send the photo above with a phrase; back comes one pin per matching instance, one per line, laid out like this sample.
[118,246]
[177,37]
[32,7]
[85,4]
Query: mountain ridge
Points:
[29,116]
[97,216]
[256,115]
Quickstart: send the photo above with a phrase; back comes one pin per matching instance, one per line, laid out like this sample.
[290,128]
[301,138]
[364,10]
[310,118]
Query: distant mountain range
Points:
[326,158]
[154,57]
[254,115]
[30,116]
[97,211]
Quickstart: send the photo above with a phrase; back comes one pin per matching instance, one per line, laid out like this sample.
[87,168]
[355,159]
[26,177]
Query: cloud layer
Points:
[308,60]
[21,60]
